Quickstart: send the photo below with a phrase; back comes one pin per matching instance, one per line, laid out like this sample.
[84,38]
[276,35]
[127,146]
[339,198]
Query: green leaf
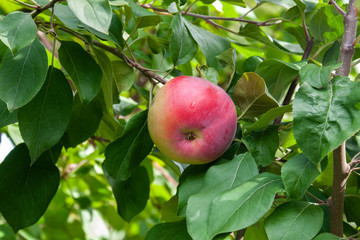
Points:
[123,75]
[118,3]
[240,3]
[171,230]
[190,183]
[278,75]
[228,60]
[209,73]
[140,55]
[254,32]
[298,173]
[316,76]
[256,232]
[131,194]
[291,17]
[296,31]
[327,236]
[94,13]
[306,5]
[251,63]
[210,44]
[45,118]
[268,118]
[115,31]
[326,25]
[289,47]
[22,75]
[153,44]
[126,152]
[251,96]
[199,207]
[324,118]
[107,82]
[17,30]
[244,205]
[26,190]
[169,210]
[7,233]
[82,69]
[208,1]
[294,220]
[352,208]
[283,3]
[332,54]
[144,17]
[109,128]
[126,106]
[3,49]
[64,13]
[182,46]
[7,117]
[84,121]
[262,144]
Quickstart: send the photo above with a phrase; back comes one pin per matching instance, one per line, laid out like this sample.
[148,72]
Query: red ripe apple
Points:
[192,120]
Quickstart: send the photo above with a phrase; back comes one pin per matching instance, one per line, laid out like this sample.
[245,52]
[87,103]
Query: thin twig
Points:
[168,73]
[130,52]
[119,54]
[206,17]
[355,169]
[38,10]
[354,161]
[356,62]
[318,200]
[252,9]
[128,45]
[356,40]
[35,2]
[342,12]
[274,20]
[219,26]
[307,35]
[52,30]
[320,49]
[134,30]
[306,55]
[187,10]
[26,4]
[166,175]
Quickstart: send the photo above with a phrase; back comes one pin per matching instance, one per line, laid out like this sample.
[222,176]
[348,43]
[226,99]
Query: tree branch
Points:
[342,12]
[306,54]
[130,62]
[240,234]
[26,4]
[341,168]
[37,11]
[336,203]
[206,17]
[121,55]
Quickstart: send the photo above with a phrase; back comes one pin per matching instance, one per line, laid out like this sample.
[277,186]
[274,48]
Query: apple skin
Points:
[192,120]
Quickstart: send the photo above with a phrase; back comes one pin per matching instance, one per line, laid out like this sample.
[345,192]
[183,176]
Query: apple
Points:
[192,120]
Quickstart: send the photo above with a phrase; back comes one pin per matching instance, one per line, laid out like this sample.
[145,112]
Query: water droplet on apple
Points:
[192,105]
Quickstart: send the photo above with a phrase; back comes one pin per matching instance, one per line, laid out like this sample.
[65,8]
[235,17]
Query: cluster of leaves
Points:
[76,78]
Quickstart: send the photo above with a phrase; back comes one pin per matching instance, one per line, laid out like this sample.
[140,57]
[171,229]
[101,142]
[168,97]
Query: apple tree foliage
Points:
[76,79]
